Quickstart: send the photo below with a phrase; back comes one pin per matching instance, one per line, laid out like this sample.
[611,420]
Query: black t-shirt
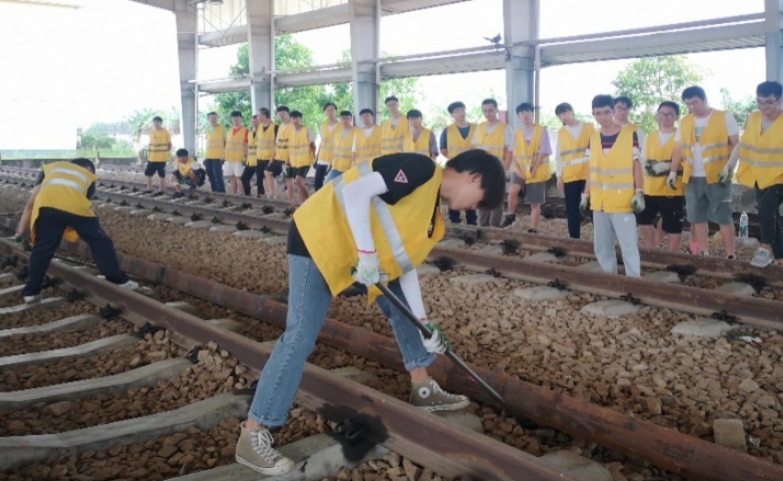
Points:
[402,173]
[90,190]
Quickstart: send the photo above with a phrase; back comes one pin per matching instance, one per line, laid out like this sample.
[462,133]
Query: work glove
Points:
[658,169]
[437,342]
[367,270]
[724,174]
[584,205]
[18,238]
[671,180]
[637,201]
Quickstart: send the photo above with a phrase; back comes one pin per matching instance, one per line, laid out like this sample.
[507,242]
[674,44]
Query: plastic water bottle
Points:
[743,225]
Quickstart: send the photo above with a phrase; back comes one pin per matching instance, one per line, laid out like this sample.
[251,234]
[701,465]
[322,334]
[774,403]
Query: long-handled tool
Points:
[524,422]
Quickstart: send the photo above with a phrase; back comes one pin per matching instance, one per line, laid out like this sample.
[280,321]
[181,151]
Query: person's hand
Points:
[584,205]
[533,169]
[19,238]
[724,174]
[437,342]
[671,180]
[367,270]
[560,183]
[637,201]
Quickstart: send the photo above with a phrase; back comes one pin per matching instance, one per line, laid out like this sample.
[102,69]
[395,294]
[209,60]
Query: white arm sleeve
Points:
[409,283]
[357,197]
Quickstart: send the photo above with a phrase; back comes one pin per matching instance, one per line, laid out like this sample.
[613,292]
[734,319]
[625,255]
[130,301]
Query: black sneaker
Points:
[147,192]
[532,231]
[510,220]
[177,195]
[157,194]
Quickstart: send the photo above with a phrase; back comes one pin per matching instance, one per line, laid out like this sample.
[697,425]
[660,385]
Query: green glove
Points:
[18,238]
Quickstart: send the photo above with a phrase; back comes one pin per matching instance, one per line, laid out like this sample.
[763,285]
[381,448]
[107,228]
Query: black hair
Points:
[390,98]
[212,113]
[454,106]
[255,117]
[366,111]
[563,108]
[692,92]
[327,104]
[296,114]
[670,104]
[525,107]
[600,101]
[236,113]
[86,163]
[413,114]
[265,112]
[770,88]
[157,118]
[346,113]
[282,108]
[624,100]
[489,102]
[493,176]
[182,152]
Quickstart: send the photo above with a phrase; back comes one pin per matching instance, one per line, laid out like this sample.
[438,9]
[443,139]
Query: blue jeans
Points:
[333,174]
[308,303]
[470,216]
[320,174]
[214,168]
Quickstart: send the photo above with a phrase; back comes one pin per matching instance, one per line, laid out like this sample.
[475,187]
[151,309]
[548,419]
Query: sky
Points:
[101,62]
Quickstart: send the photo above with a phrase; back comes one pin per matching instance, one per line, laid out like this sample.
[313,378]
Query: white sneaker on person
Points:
[132,285]
[32,299]
[254,450]
[762,258]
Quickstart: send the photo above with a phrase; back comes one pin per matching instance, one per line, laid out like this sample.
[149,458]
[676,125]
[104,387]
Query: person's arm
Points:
[409,283]
[357,195]
[311,138]
[246,145]
[433,146]
[732,129]
[559,168]
[544,151]
[444,146]
[24,222]
[317,153]
[638,181]
[508,149]
[587,180]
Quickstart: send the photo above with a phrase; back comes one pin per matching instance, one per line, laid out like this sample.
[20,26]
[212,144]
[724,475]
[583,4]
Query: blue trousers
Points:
[470,216]
[214,168]
[573,196]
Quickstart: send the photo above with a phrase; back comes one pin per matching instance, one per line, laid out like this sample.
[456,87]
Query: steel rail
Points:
[411,432]
[668,449]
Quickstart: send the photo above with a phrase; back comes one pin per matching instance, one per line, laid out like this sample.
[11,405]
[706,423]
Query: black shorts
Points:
[262,165]
[672,210]
[275,167]
[152,167]
[293,172]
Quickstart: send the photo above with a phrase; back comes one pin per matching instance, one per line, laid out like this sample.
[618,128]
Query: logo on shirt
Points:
[401,178]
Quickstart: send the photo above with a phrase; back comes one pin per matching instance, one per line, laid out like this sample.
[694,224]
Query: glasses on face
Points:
[766,103]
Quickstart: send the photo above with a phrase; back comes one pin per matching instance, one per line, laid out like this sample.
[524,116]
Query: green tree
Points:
[94,138]
[739,108]
[652,80]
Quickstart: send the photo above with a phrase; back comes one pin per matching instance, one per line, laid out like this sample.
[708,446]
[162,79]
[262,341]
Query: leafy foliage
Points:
[739,108]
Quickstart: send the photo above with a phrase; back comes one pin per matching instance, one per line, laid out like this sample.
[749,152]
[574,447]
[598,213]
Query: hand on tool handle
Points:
[436,343]
[367,270]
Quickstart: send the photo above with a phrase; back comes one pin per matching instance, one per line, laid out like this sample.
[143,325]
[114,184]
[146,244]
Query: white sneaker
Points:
[32,299]
[132,285]
[254,450]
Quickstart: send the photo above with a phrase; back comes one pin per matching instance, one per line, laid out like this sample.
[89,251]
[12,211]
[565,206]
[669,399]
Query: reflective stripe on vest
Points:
[58,170]
[65,183]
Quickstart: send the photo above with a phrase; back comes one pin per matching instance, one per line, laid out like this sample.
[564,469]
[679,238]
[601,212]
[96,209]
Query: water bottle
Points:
[743,225]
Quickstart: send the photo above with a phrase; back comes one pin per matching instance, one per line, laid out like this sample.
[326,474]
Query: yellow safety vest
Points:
[525,154]
[404,233]
[299,151]
[158,150]
[185,167]
[235,144]
[281,149]
[611,174]
[215,143]
[573,153]
[342,149]
[64,187]
[655,153]
[455,144]
[392,139]
[368,148]
[421,145]
[761,155]
[326,149]
[265,142]
[252,146]
[494,142]
[714,141]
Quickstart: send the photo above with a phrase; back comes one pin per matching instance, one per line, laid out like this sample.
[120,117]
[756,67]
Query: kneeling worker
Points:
[189,172]
[59,207]
[334,231]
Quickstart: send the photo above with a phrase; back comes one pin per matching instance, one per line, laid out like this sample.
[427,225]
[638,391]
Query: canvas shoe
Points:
[254,450]
[430,397]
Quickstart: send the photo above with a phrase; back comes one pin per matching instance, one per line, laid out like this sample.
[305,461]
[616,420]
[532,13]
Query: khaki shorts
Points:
[708,202]
[233,169]
[534,193]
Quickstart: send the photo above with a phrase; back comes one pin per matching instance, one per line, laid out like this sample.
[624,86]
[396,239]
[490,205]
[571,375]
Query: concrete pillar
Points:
[187,40]
[365,26]
[774,39]
[520,23]
[261,48]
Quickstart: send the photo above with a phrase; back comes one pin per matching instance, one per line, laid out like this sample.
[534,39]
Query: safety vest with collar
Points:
[525,154]
[328,138]
[64,187]
[368,148]
[655,183]
[493,142]
[611,174]
[342,149]
[299,153]
[215,143]
[158,150]
[235,144]
[455,144]
[404,233]
[573,153]
[283,139]
[714,142]
[392,139]
[421,145]
[761,155]
[265,142]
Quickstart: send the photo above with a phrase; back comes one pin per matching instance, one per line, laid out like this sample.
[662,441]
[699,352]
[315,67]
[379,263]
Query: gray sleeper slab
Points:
[80,350]
[82,320]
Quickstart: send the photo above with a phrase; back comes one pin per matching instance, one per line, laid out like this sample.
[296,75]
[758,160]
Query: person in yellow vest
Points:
[367,144]
[454,140]
[280,154]
[658,198]
[760,155]
[251,165]
[573,139]
[530,167]
[394,129]
[265,147]
[158,155]
[59,208]
[342,146]
[216,150]
[497,138]
[236,152]
[419,140]
[702,146]
[189,172]
[326,148]
[614,190]
[301,151]
[377,222]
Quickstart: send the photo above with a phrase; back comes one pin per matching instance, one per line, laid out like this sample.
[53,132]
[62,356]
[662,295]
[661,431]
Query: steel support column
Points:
[365,26]
[774,38]
[261,48]
[187,38]
[520,21]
